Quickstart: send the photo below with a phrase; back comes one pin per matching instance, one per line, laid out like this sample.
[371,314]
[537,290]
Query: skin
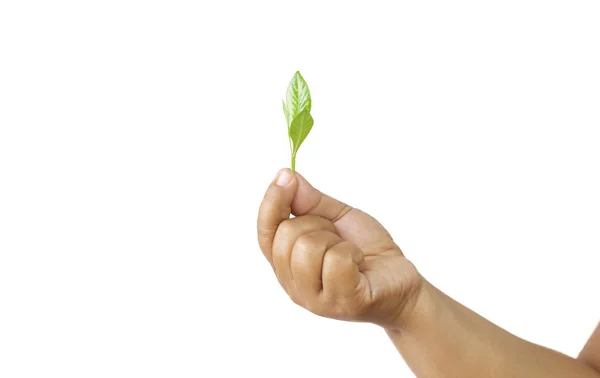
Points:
[341,263]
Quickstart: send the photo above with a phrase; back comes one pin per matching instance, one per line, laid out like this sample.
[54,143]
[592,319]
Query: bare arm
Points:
[445,339]
[590,354]
[341,263]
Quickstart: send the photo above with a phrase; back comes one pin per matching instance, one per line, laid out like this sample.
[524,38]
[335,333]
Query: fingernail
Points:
[283,178]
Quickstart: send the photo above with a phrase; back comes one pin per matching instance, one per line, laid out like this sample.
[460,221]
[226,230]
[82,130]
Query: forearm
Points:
[443,339]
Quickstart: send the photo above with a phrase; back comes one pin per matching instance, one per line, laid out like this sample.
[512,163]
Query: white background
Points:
[137,139]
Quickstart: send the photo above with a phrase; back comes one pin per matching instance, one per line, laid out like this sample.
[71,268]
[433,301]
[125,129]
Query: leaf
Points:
[299,129]
[287,114]
[297,97]
[296,108]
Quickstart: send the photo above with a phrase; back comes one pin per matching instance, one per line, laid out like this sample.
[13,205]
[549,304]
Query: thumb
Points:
[352,224]
[308,200]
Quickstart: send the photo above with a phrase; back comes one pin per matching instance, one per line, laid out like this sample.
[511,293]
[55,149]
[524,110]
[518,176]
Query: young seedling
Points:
[296,109]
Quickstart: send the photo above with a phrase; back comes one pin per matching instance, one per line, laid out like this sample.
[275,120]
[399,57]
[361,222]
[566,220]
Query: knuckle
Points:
[335,264]
[264,239]
[286,228]
[263,229]
[307,243]
[335,256]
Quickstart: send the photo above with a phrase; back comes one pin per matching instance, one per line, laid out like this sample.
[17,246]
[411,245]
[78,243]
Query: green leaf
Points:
[299,129]
[288,119]
[297,97]
[296,109]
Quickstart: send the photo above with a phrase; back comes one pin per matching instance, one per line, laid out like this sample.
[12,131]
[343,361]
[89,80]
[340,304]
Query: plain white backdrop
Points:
[137,139]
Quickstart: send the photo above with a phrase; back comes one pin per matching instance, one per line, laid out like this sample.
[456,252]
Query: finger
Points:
[287,235]
[352,225]
[366,232]
[341,276]
[274,209]
[307,260]
[309,200]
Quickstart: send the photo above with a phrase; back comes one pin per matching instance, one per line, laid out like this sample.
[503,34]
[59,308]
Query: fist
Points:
[334,260]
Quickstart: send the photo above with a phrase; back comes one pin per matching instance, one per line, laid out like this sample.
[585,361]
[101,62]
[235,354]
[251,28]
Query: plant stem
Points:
[293,162]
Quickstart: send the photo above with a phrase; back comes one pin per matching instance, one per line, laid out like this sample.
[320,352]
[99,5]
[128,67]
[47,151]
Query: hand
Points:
[335,261]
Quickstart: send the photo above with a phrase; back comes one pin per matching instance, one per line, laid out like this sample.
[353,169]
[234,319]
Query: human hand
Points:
[334,260]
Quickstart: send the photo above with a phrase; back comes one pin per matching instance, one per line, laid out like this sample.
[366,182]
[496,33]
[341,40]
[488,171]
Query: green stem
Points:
[293,162]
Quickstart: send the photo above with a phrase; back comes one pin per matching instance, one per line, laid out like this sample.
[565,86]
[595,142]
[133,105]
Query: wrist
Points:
[419,310]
